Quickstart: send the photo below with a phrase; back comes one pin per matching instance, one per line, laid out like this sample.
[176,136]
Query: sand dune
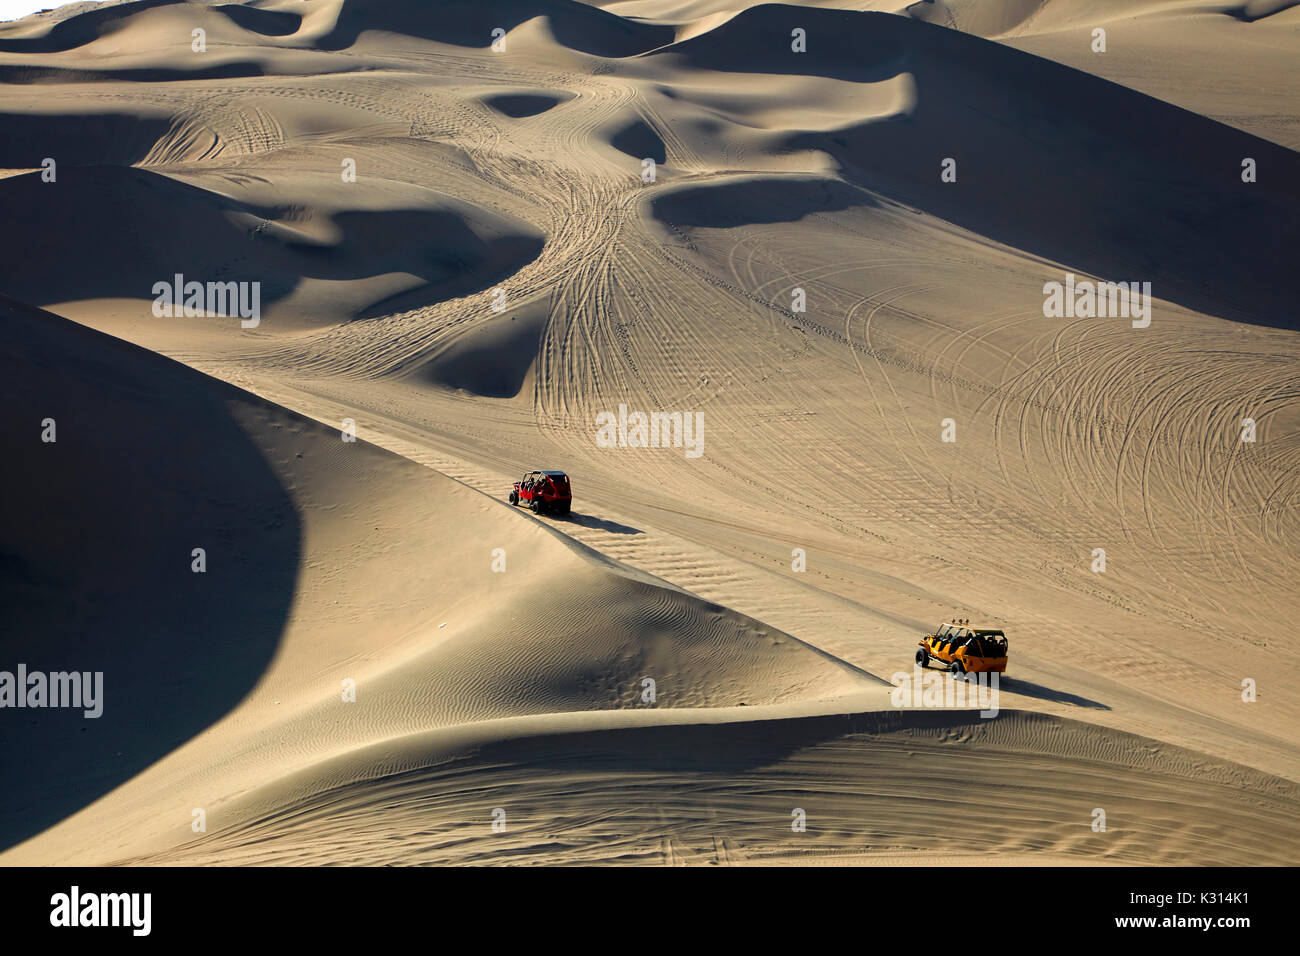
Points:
[722,791]
[1188,54]
[960,86]
[306,587]
[503,268]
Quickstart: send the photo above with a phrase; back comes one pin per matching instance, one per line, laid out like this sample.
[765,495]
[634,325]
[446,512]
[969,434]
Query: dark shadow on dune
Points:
[1056,162]
[105,231]
[437,245]
[469,23]
[22,74]
[600,524]
[269,23]
[27,139]
[714,749]
[461,263]
[639,141]
[1030,689]
[1260,9]
[96,542]
[521,105]
[756,200]
[492,357]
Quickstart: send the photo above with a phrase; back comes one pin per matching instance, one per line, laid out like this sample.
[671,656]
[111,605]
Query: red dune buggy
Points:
[545,492]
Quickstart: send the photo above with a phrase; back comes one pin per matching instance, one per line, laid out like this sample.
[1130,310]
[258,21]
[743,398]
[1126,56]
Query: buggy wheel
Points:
[563,509]
[514,497]
[536,506]
[922,658]
[958,667]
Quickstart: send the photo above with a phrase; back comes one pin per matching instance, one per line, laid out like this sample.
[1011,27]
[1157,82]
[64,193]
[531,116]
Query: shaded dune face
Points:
[268,23]
[493,358]
[756,200]
[639,141]
[1261,9]
[93,24]
[122,139]
[161,227]
[35,75]
[149,463]
[470,24]
[522,105]
[1051,161]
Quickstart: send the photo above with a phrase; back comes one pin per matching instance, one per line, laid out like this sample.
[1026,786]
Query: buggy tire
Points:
[922,658]
[958,667]
[536,506]
[514,497]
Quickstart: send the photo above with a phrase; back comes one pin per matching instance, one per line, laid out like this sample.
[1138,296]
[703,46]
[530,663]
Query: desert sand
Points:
[464,256]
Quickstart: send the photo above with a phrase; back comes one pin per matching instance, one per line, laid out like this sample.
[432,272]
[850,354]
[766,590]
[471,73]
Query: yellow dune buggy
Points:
[963,649]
